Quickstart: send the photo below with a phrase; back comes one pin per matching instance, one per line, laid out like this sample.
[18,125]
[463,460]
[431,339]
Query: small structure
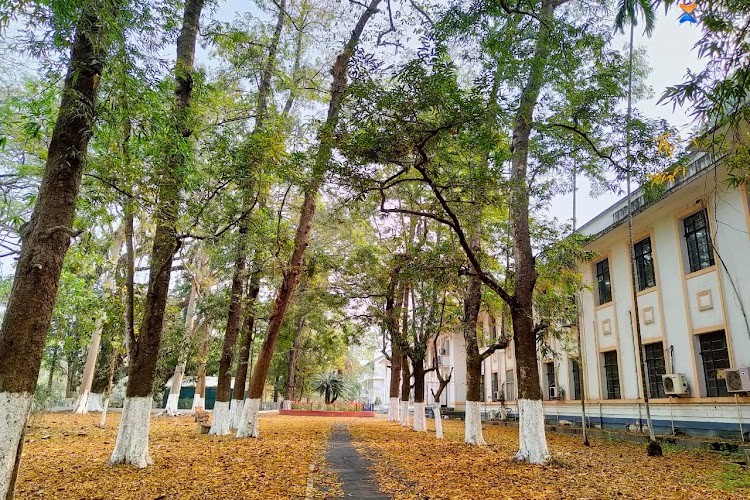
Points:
[187,392]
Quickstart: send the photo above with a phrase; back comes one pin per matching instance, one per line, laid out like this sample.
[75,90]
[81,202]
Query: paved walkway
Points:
[351,467]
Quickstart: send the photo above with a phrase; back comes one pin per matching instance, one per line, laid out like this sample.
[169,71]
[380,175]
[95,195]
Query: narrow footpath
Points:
[351,467]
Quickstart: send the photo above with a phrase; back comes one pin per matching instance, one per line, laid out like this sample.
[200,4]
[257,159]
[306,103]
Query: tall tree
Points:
[628,13]
[82,405]
[222,419]
[326,142]
[131,446]
[46,237]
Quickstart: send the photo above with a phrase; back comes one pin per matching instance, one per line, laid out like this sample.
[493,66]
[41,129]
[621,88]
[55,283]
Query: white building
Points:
[692,255]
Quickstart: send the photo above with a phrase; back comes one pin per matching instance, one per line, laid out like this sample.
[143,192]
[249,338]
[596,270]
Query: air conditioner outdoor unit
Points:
[675,384]
[556,392]
[443,351]
[496,396]
[738,380]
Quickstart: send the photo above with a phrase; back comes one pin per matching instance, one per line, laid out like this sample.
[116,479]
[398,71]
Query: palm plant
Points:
[628,12]
[330,385]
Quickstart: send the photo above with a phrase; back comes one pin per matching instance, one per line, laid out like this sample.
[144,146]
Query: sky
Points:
[670,53]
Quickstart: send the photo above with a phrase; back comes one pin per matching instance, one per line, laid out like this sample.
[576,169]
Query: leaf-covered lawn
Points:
[416,465]
[65,457]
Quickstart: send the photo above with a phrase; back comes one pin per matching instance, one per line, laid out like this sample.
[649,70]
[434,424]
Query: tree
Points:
[330,385]
[82,405]
[222,419]
[628,12]
[131,446]
[292,274]
[47,236]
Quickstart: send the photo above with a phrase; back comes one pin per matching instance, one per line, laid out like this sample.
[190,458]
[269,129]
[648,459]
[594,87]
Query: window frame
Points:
[654,371]
[601,283]
[576,380]
[714,387]
[510,385]
[643,271]
[697,239]
[549,377]
[612,375]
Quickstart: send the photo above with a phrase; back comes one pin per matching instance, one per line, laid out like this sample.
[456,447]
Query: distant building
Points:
[187,392]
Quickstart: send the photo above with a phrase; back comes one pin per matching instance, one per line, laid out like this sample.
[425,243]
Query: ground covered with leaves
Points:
[416,465]
[65,457]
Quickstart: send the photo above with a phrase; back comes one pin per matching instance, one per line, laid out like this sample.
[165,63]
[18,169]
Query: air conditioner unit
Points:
[675,384]
[496,396]
[738,380]
[556,392]
[443,351]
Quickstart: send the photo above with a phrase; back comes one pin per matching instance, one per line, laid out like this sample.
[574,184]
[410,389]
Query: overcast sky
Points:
[670,54]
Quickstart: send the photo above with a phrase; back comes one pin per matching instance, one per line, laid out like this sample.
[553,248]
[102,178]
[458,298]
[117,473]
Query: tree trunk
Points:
[129,276]
[71,365]
[179,370]
[44,242]
[240,380]
[292,368]
[405,391]
[393,303]
[112,367]
[82,405]
[199,400]
[222,418]
[420,422]
[472,301]
[249,424]
[51,375]
[131,446]
[532,439]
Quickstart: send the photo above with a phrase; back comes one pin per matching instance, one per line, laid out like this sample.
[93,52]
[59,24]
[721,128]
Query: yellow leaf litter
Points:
[411,465]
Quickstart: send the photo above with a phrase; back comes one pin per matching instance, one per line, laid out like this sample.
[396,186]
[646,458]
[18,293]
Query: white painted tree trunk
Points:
[438,421]
[249,421]
[286,405]
[95,402]
[393,410]
[235,414]
[420,421]
[403,413]
[131,446]
[198,402]
[14,410]
[220,419]
[172,403]
[532,440]
[473,424]
[103,420]
[81,406]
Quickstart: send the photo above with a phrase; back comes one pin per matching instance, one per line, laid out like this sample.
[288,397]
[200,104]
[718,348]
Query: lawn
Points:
[428,468]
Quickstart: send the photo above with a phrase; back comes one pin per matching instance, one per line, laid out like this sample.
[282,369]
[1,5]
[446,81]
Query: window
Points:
[492,326]
[495,387]
[698,241]
[611,375]
[715,356]
[603,283]
[653,354]
[510,385]
[644,264]
[576,368]
[549,369]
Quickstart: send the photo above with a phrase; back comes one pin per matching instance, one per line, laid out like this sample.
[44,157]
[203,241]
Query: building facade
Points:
[692,261]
